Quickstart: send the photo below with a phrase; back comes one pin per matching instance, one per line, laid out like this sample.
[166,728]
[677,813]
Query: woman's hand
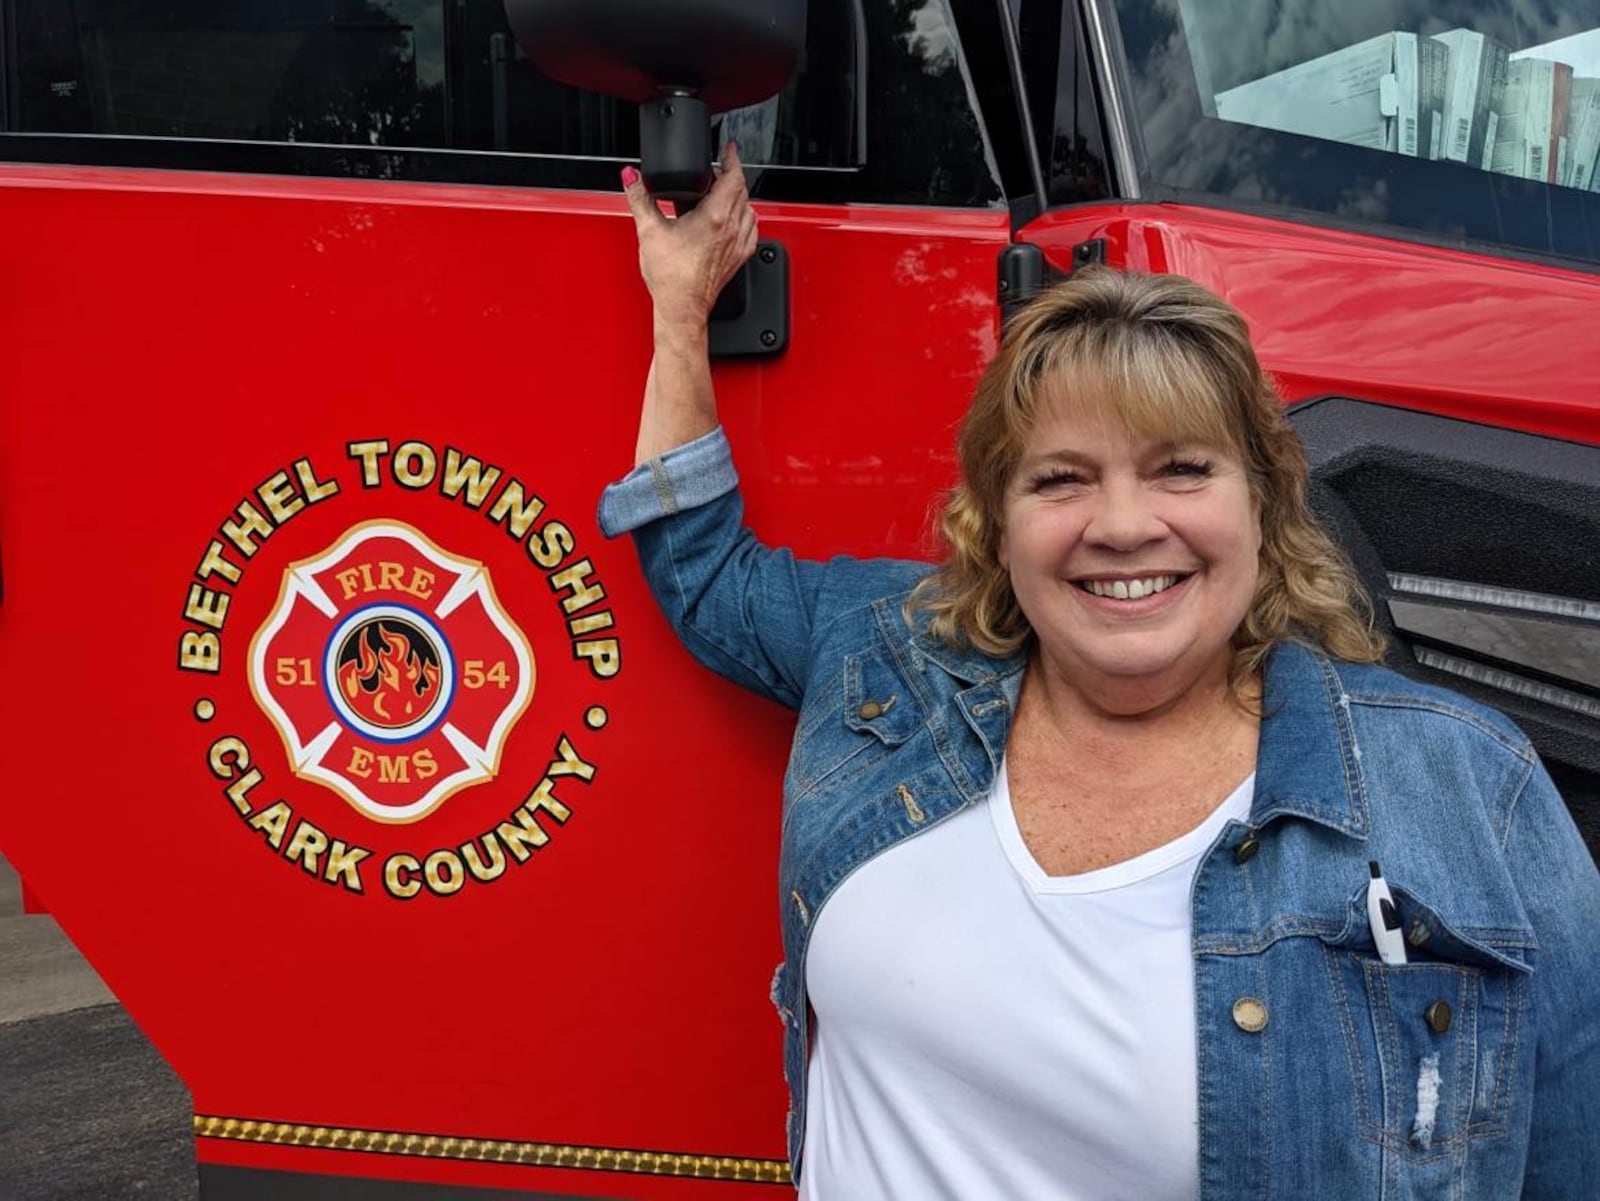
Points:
[687,261]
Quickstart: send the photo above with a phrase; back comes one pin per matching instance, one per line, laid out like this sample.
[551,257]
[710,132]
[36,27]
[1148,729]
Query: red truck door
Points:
[355,760]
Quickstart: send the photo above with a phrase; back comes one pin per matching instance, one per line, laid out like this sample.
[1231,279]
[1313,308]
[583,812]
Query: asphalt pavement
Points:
[88,1109]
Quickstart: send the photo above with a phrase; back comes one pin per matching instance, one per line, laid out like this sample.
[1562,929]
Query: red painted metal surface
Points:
[30,900]
[182,346]
[178,341]
[1496,341]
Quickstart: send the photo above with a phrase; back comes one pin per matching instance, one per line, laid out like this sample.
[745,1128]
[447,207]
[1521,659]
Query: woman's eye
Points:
[1055,479]
[1188,468]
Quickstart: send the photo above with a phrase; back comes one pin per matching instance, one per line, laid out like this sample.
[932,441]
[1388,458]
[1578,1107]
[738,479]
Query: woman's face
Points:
[1133,559]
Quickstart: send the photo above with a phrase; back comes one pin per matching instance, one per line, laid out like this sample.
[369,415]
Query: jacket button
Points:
[1247,848]
[1250,1015]
[1437,1016]
[869,710]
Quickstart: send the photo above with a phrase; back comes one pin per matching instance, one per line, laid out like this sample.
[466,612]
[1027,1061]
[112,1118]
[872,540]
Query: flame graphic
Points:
[393,678]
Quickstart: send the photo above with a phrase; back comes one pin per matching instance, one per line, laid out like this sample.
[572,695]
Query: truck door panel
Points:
[351,755]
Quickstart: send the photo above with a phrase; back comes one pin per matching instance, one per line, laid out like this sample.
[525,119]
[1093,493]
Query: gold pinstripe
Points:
[541,1155]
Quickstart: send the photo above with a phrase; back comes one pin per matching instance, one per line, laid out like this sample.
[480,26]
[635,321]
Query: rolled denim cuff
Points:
[687,476]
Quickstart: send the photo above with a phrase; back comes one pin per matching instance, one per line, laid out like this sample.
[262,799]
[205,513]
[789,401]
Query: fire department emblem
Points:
[391,672]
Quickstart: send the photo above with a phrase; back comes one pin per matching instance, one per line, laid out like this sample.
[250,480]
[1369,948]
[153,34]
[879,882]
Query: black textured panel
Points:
[1426,495]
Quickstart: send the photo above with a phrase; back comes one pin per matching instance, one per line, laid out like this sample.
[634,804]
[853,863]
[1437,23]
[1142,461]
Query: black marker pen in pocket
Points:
[1384,918]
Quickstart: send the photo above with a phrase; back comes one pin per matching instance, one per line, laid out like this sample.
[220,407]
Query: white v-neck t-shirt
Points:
[985,1030]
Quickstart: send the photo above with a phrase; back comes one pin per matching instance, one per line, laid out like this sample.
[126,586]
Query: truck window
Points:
[1467,120]
[397,73]
[438,89]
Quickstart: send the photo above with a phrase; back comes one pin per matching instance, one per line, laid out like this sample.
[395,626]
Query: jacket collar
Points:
[1307,762]
[967,665]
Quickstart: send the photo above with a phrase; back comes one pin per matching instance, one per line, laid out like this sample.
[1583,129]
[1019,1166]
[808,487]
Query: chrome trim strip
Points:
[1562,651]
[1019,87]
[1505,681]
[352,147]
[1116,117]
[858,14]
[1504,598]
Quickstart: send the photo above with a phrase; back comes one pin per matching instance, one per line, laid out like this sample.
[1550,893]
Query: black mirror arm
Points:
[675,149]
[751,317]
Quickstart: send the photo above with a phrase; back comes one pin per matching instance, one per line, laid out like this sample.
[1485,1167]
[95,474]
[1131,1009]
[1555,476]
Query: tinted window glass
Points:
[395,73]
[1061,94]
[1468,119]
[438,89]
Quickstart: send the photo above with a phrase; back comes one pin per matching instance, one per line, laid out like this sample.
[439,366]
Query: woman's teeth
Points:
[1130,589]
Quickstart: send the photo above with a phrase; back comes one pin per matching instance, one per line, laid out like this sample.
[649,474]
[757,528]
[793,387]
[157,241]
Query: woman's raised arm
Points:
[743,610]
[686,262]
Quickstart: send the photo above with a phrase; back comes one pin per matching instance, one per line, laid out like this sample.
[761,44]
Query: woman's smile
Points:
[1131,587]
[1124,596]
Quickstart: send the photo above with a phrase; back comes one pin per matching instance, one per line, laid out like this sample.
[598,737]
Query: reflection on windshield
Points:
[1462,94]
[1470,119]
[931,37]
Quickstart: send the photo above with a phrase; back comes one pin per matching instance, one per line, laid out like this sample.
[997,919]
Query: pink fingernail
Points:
[630,176]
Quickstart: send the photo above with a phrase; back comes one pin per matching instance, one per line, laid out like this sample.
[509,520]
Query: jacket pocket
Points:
[877,701]
[1437,1045]
[855,724]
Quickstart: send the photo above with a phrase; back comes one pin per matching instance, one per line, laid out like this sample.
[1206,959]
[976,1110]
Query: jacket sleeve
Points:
[1561,891]
[742,609]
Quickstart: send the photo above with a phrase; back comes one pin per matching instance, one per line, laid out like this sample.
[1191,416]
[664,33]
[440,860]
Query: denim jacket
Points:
[1472,1071]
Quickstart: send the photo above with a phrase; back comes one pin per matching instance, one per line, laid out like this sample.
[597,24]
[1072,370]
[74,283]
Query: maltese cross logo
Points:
[391,672]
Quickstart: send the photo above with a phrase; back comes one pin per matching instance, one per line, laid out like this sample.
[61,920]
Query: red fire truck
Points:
[323,333]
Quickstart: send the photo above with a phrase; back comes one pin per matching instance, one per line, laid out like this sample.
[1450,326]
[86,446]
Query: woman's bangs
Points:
[1154,386]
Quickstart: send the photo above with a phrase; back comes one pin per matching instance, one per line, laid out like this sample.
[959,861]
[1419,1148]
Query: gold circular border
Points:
[538,1155]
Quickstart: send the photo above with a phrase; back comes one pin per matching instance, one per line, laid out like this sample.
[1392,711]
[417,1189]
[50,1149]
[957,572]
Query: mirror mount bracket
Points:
[751,317]
[675,147]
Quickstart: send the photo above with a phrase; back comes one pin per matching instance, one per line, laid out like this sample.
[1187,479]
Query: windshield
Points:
[1469,120]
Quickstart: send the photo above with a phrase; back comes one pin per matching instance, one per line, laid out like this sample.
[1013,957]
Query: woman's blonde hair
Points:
[1168,360]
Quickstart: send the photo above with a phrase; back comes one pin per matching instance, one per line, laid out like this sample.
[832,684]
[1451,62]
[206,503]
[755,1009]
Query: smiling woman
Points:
[1079,825]
[1160,375]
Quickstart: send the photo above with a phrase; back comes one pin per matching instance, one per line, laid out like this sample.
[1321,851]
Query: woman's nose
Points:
[1124,517]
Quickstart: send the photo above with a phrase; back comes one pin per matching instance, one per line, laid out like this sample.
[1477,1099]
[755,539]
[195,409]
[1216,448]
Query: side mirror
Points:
[679,60]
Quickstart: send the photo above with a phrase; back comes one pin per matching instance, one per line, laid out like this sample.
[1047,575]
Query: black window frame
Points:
[962,179]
